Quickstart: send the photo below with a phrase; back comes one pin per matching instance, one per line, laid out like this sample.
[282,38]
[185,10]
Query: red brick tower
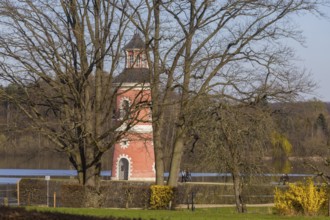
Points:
[133,157]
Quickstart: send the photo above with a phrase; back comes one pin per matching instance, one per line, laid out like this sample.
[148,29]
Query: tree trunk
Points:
[176,158]
[90,178]
[240,206]
[159,155]
[156,110]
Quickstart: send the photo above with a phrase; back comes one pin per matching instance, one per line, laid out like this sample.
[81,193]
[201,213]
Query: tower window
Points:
[131,60]
[138,61]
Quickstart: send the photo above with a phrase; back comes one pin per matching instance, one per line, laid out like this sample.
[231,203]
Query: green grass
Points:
[254,213]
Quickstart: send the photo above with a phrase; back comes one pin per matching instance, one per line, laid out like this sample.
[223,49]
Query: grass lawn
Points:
[254,213]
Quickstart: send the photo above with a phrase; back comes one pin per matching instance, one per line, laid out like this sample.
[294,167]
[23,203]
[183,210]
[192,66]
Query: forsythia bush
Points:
[160,196]
[304,198]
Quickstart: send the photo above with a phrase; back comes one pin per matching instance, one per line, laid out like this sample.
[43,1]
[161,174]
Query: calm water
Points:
[8,180]
[12,176]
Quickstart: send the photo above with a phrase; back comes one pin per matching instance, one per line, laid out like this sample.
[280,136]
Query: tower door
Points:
[123,169]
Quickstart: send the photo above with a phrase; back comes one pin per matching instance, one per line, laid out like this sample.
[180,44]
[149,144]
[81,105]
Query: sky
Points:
[316,55]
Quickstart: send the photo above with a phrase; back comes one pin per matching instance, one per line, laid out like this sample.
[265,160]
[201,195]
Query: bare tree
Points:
[63,56]
[233,138]
[234,48]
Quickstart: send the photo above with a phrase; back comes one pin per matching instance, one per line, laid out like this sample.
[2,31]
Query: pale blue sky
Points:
[316,54]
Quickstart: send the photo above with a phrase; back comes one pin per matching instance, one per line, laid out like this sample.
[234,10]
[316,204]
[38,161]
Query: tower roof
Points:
[133,75]
[135,43]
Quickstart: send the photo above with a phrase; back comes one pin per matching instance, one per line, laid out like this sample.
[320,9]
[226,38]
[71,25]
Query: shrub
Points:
[304,198]
[161,196]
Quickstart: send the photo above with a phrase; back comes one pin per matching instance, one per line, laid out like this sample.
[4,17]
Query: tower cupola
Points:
[136,66]
[135,53]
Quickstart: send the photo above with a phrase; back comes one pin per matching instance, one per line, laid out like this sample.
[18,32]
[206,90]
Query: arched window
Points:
[123,169]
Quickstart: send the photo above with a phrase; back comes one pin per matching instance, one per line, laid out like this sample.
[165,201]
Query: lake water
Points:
[8,180]
[12,176]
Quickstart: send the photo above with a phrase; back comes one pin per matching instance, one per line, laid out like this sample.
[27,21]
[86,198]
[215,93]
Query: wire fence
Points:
[34,200]
[8,195]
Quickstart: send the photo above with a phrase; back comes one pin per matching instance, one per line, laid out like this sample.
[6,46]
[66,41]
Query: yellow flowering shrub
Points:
[304,198]
[160,196]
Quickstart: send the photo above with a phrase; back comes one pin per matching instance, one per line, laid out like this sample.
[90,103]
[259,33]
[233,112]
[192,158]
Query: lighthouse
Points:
[133,157]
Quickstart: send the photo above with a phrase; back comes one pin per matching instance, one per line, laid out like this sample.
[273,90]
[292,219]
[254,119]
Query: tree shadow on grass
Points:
[10,213]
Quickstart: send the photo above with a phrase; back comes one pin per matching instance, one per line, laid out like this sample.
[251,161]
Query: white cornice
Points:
[136,128]
[134,86]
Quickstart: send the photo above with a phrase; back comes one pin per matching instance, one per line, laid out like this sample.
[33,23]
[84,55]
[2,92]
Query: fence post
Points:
[47,178]
[7,194]
[18,194]
[192,202]
[54,199]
